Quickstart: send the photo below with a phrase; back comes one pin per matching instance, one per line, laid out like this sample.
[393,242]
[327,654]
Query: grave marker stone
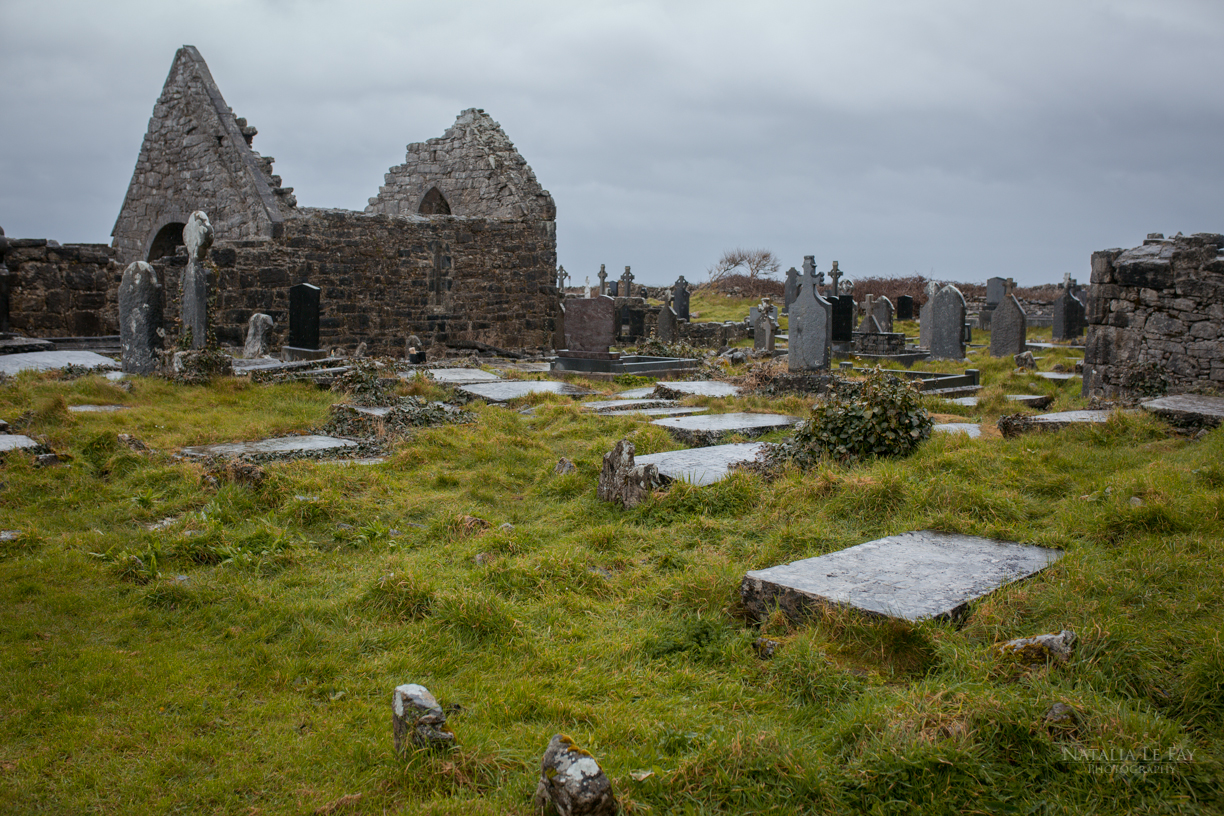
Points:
[843,318]
[905,307]
[835,275]
[948,324]
[626,283]
[304,316]
[882,309]
[763,333]
[140,318]
[1009,325]
[1069,317]
[996,290]
[590,324]
[603,280]
[789,289]
[811,324]
[666,326]
[680,295]
[613,288]
[257,336]
[925,315]
[198,236]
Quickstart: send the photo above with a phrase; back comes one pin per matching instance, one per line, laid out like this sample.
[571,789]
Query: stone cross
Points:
[811,324]
[835,275]
[198,236]
[665,328]
[603,281]
[1067,282]
[562,277]
[626,287]
[140,319]
[1009,287]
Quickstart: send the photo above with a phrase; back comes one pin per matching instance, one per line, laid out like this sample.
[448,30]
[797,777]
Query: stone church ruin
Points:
[458,247]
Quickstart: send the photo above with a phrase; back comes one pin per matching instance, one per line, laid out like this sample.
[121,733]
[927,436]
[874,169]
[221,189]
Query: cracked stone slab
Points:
[912,576]
[11,442]
[96,409]
[964,428]
[665,411]
[48,360]
[462,376]
[636,393]
[1191,410]
[513,389]
[1029,400]
[699,429]
[701,466]
[282,444]
[601,406]
[702,388]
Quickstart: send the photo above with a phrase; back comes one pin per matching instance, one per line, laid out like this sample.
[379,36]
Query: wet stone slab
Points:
[11,442]
[963,428]
[1029,400]
[1060,376]
[1016,425]
[705,430]
[1188,410]
[701,466]
[636,393]
[912,576]
[701,388]
[664,411]
[461,376]
[513,389]
[600,406]
[96,409]
[47,360]
[280,445]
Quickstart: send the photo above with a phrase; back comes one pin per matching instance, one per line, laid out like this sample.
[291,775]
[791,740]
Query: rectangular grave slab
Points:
[96,409]
[11,442]
[601,406]
[1188,410]
[47,360]
[912,576]
[636,393]
[702,388]
[460,376]
[513,389]
[705,430]
[664,411]
[964,428]
[1014,426]
[1060,376]
[280,445]
[701,466]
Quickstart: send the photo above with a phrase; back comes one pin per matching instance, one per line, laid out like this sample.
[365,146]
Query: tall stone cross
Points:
[603,280]
[1067,282]
[193,308]
[562,277]
[1008,287]
[626,287]
[835,275]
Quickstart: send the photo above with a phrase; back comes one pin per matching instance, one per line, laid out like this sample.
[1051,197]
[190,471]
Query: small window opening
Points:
[434,204]
[167,241]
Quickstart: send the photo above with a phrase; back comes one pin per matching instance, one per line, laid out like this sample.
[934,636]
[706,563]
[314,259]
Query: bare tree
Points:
[753,263]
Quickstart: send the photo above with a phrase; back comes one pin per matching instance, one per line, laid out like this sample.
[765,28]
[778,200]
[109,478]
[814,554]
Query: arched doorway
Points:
[168,239]
[434,204]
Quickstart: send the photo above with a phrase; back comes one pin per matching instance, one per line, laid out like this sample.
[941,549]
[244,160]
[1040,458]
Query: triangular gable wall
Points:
[197,156]
[476,169]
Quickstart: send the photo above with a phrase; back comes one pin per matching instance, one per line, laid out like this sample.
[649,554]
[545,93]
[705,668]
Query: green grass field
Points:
[241,658]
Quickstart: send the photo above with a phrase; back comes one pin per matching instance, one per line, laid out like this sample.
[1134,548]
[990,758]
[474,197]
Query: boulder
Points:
[572,783]
[417,719]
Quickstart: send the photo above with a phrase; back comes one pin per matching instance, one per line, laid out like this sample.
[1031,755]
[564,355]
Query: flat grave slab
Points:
[461,376]
[1056,375]
[11,442]
[283,444]
[701,466]
[96,409]
[1014,426]
[599,406]
[23,345]
[964,428]
[513,389]
[1191,410]
[702,388]
[1030,400]
[636,393]
[699,430]
[664,411]
[47,360]
[912,576]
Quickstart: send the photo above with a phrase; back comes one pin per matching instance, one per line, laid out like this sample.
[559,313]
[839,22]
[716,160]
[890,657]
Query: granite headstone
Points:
[590,323]
[947,324]
[905,307]
[811,325]
[1008,333]
[140,318]
[198,236]
[680,298]
[1068,317]
[789,289]
[304,316]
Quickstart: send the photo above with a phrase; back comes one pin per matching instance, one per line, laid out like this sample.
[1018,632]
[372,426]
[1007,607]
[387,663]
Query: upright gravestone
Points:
[6,283]
[1068,318]
[198,236]
[763,333]
[611,288]
[843,318]
[665,328]
[680,297]
[626,284]
[257,336]
[996,290]
[140,319]
[590,324]
[947,324]
[905,307]
[790,288]
[304,316]
[924,316]
[883,311]
[1009,325]
[868,324]
[811,325]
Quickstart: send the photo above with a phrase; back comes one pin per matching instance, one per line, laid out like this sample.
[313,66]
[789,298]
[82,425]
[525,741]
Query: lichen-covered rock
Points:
[564,466]
[623,482]
[572,783]
[258,328]
[1055,646]
[1024,361]
[418,720]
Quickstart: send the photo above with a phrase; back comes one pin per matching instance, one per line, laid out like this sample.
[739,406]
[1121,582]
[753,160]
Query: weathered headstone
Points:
[140,318]
[304,316]
[947,324]
[868,323]
[924,316]
[1068,317]
[257,336]
[843,318]
[790,289]
[562,277]
[1008,333]
[680,297]
[572,783]
[905,307]
[590,323]
[622,481]
[996,290]
[198,236]
[811,324]
[882,309]
[665,328]
[763,333]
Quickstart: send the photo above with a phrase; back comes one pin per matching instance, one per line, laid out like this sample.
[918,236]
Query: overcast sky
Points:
[958,139]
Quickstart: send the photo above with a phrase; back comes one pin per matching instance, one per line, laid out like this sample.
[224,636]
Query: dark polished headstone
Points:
[1069,319]
[614,288]
[304,316]
[680,298]
[996,290]
[790,290]
[843,318]
[905,307]
[590,323]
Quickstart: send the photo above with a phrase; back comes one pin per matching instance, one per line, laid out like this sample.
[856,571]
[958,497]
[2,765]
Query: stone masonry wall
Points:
[61,291]
[1156,312]
[446,279]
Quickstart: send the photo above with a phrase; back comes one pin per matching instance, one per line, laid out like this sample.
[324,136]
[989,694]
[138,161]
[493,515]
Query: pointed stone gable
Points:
[197,156]
[473,168]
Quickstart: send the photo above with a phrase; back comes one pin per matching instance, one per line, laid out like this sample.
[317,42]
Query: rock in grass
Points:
[621,481]
[572,783]
[417,719]
[1039,648]
[765,647]
[564,466]
[1025,362]
[1061,714]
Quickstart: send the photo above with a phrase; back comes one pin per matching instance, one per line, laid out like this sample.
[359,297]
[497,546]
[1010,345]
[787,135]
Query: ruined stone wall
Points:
[446,279]
[1156,313]
[61,291]
[476,170]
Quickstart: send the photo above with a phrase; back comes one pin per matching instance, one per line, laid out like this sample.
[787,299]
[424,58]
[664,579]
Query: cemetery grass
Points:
[244,661]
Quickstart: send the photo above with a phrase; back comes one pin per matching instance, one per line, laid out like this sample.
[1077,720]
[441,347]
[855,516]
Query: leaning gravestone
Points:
[1068,317]
[905,307]
[811,324]
[198,236]
[304,316]
[924,316]
[947,324]
[680,296]
[843,318]
[257,336]
[790,289]
[1008,333]
[140,319]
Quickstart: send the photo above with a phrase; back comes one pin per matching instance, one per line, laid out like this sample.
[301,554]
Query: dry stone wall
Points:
[61,291]
[1156,318]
